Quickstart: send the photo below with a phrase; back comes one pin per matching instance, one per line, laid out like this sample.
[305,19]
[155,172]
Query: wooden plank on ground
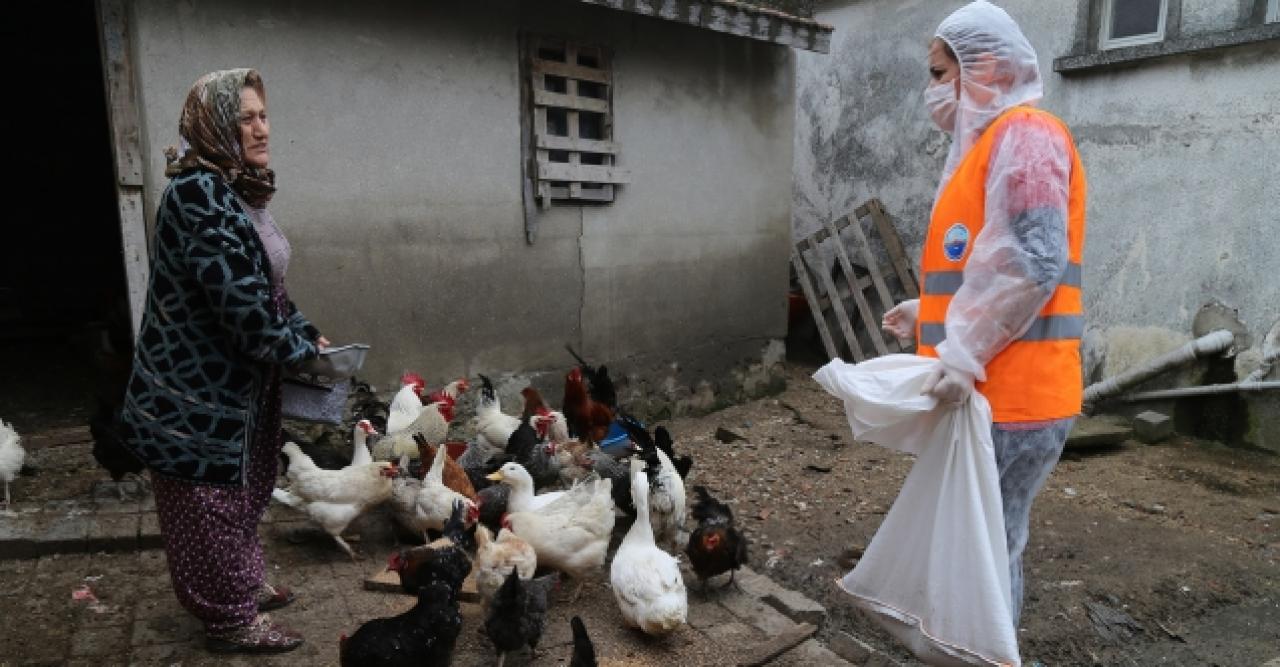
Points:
[811,295]
[893,246]
[776,646]
[864,308]
[838,308]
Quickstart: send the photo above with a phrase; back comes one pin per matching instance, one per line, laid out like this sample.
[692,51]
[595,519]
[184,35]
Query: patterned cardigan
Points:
[210,332]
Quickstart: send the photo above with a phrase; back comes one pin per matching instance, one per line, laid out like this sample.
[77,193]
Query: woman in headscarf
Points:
[202,408]
[1000,302]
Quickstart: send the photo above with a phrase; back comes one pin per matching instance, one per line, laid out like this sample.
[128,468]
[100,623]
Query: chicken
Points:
[405,407]
[533,406]
[454,477]
[571,534]
[517,614]
[538,458]
[570,462]
[666,487]
[334,498]
[588,419]
[662,440]
[493,426]
[11,457]
[360,442]
[478,461]
[424,635]
[522,499]
[495,558]
[449,393]
[432,423]
[584,652]
[434,501]
[444,559]
[646,580]
[715,546]
[493,505]
[600,385]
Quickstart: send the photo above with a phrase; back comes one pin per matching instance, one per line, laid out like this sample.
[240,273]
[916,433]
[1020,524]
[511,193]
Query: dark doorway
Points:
[62,284]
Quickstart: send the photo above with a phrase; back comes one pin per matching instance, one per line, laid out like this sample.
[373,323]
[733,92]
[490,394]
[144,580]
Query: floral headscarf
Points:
[210,131]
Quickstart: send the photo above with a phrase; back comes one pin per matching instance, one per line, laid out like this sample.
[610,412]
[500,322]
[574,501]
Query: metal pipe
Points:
[1211,343]
[1206,390]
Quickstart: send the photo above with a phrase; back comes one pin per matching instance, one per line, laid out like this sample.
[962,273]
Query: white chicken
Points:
[432,423]
[572,534]
[11,457]
[646,580]
[522,499]
[333,498]
[433,503]
[493,426]
[496,557]
[405,407]
[667,504]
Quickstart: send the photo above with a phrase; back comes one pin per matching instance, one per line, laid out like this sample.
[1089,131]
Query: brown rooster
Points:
[453,476]
[587,419]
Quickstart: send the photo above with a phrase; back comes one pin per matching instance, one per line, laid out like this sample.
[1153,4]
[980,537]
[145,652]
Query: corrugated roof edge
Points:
[734,18]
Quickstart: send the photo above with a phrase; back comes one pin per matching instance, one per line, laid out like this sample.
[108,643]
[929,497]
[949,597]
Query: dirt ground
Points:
[1183,537]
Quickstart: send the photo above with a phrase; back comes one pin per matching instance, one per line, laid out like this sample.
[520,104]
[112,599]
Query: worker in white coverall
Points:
[1000,296]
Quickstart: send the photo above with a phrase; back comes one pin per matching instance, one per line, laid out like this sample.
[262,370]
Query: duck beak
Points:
[495,476]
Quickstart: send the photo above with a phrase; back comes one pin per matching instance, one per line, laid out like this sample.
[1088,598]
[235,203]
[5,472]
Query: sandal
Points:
[274,597]
[260,636]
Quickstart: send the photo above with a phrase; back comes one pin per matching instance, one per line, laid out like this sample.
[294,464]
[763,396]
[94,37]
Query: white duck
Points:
[522,499]
[571,534]
[360,442]
[11,457]
[646,580]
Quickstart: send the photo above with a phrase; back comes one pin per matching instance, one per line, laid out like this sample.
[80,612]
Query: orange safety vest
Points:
[1038,376]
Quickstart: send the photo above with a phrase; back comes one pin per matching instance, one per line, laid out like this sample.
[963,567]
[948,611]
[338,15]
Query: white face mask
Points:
[942,103]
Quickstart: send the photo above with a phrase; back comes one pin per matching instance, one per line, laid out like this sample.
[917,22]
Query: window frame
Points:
[1273,12]
[1106,42]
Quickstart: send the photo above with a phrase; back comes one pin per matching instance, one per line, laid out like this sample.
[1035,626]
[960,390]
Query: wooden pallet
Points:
[869,292]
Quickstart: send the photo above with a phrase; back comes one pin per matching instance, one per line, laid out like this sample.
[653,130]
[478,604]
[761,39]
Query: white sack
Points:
[936,575]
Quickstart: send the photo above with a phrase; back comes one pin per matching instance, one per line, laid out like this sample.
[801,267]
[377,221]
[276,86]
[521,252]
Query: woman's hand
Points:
[322,343]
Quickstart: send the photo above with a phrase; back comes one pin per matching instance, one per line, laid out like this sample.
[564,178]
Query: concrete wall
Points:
[396,140]
[1181,155]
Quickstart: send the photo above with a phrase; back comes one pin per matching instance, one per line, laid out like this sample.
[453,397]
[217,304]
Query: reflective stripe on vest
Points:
[1053,327]
[943,283]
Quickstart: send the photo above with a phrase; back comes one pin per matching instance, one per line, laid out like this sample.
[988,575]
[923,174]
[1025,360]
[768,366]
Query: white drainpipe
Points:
[1212,343]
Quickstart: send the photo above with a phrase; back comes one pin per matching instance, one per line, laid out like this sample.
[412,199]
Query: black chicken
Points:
[493,505]
[424,635]
[444,559]
[599,384]
[662,440]
[584,652]
[715,546]
[518,613]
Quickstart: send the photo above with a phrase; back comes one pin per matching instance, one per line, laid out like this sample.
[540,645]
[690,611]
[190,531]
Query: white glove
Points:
[950,386]
[900,321]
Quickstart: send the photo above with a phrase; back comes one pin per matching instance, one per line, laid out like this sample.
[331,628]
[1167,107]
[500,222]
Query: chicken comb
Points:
[409,377]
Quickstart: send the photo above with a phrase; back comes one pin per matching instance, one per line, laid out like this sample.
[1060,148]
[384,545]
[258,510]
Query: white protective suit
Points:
[1021,253]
